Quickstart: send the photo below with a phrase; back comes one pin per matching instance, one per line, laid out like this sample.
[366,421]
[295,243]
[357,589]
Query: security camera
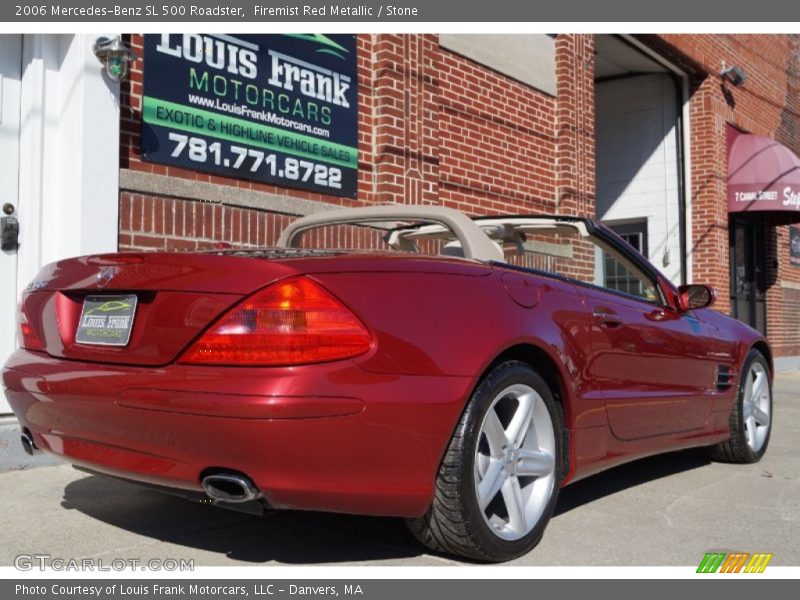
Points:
[733,74]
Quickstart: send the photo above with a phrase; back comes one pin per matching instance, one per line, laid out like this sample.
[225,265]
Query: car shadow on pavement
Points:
[297,537]
[629,475]
[289,537]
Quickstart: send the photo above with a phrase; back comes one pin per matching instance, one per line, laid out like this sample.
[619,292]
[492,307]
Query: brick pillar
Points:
[575,124]
[405,110]
[708,249]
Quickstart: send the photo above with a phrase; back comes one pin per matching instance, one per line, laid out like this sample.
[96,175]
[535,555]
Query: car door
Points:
[652,364]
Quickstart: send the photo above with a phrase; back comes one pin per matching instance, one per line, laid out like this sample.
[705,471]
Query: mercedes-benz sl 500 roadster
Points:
[395,360]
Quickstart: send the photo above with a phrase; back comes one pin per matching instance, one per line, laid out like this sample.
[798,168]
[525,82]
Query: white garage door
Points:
[637,162]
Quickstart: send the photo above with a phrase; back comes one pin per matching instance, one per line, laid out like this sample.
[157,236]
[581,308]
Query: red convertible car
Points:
[453,371]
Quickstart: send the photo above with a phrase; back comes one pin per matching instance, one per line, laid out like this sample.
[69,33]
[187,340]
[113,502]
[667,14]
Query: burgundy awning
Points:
[763,176]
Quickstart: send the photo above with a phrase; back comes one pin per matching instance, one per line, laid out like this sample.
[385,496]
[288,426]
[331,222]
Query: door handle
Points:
[607,318]
[657,314]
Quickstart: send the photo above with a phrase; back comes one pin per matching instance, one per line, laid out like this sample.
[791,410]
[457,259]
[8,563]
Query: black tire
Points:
[454,523]
[736,449]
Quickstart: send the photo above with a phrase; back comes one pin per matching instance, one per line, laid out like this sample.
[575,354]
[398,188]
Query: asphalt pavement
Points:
[665,510]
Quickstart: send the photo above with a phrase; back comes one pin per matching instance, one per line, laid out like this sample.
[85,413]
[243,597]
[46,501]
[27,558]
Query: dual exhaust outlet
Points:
[230,487]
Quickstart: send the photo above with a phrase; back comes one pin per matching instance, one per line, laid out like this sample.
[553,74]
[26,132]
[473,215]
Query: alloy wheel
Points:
[515,462]
[757,406]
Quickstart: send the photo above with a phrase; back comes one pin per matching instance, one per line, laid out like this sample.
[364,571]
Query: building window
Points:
[633,233]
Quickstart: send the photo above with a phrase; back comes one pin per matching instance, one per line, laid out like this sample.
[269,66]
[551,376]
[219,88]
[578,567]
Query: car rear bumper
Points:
[372,446]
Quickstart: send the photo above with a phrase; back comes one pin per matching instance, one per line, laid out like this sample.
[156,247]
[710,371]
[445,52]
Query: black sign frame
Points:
[276,109]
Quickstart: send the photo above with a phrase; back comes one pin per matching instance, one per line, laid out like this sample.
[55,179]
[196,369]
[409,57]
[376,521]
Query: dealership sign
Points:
[278,109]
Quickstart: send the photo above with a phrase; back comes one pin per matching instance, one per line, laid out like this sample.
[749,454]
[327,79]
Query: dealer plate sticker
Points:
[106,320]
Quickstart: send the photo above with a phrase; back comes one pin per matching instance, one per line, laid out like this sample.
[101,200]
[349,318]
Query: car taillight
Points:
[27,337]
[292,322]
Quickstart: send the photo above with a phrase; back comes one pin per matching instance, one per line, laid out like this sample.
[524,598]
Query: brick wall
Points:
[150,222]
[496,140]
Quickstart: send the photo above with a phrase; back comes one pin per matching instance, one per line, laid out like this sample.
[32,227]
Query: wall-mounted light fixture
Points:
[114,56]
[733,74]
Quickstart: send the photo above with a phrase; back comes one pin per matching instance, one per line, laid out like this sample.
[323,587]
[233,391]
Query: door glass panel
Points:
[618,278]
[566,251]
[747,271]
[741,282]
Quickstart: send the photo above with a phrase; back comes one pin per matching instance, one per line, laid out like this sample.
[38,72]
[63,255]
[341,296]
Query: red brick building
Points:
[634,130]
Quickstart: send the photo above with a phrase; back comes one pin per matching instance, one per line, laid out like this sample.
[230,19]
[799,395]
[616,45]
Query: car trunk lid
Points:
[177,296]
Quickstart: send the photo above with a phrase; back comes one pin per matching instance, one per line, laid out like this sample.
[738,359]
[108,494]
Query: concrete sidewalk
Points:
[666,510]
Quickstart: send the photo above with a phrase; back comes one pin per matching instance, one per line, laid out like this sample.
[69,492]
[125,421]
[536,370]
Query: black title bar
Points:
[463,11]
[388,589]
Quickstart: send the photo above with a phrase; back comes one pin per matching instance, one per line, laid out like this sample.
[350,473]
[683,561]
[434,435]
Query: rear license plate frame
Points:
[104,323]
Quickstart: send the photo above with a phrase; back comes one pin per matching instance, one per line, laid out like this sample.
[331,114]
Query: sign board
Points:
[277,109]
[794,245]
[763,176]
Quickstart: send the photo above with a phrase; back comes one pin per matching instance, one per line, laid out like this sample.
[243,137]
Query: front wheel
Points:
[498,483]
[751,417]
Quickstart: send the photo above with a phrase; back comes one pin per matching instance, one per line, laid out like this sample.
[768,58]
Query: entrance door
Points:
[10,77]
[748,297]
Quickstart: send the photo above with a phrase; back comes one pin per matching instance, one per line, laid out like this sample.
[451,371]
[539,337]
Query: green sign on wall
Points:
[279,109]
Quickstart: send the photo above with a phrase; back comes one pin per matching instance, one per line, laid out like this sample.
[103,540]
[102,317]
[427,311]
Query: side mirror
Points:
[695,295]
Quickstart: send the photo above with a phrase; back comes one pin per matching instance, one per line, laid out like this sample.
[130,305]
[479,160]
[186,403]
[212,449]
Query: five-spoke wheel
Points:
[515,462]
[751,417]
[757,406]
[498,483]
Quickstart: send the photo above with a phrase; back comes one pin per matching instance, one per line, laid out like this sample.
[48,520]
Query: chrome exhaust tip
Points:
[229,487]
[28,444]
